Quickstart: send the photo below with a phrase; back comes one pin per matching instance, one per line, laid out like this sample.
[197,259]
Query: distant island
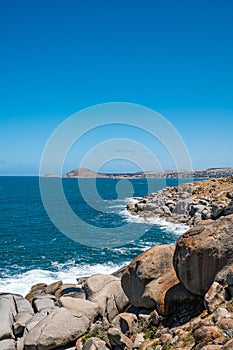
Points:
[169,174]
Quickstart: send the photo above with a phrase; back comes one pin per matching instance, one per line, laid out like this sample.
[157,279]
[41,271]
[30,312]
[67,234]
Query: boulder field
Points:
[190,203]
[169,297]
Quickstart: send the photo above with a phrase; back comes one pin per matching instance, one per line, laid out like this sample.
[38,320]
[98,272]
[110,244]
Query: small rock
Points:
[38,288]
[53,287]
[165,338]
[220,313]
[214,297]
[138,340]
[43,302]
[212,347]
[20,323]
[126,323]
[111,308]
[218,209]
[95,344]
[227,325]
[181,207]
[117,338]
[67,288]
[228,345]
[207,333]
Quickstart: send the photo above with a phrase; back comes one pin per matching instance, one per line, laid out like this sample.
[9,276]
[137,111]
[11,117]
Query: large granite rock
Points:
[59,328]
[22,305]
[147,279]
[204,255]
[85,307]
[7,344]
[106,291]
[7,313]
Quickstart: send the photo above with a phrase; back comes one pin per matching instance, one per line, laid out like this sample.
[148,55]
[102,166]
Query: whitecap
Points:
[163,224]
[68,272]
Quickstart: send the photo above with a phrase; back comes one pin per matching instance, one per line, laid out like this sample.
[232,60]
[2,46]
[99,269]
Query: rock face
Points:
[59,328]
[204,254]
[147,279]
[85,307]
[7,313]
[106,291]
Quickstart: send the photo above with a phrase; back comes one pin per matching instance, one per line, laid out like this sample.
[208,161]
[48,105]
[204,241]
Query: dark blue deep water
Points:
[33,250]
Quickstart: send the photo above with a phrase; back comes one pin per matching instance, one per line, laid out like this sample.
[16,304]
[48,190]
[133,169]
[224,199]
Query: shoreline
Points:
[168,297]
[161,174]
[191,203]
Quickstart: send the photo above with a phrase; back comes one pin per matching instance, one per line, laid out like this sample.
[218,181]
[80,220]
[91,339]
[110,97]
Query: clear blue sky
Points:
[59,56]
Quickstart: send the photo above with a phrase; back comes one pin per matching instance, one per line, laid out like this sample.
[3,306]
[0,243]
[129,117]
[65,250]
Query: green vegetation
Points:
[148,329]
[166,346]
[98,333]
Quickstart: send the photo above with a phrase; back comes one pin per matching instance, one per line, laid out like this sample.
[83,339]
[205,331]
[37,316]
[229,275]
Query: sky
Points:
[61,56]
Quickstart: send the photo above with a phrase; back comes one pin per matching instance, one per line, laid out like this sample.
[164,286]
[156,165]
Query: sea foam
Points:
[21,284]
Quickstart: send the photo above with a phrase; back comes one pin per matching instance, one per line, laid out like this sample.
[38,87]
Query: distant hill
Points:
[208,173]
[84,173]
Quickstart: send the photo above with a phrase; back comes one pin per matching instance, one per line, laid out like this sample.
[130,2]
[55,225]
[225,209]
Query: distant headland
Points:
[169,174]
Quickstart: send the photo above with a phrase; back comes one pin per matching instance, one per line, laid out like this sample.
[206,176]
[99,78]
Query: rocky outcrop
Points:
[106,291]
[81,307]
[204,255]
[147,279]
[189,203]
[59,328]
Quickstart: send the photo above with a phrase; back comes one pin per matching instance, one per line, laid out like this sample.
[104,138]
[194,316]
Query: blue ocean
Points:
[33,250]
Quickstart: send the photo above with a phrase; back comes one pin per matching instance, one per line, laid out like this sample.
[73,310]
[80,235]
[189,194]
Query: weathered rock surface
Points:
[53,287]
[127,323]
[204,254]
[147,279]
[44,302]
[7,313]
[20,323]
[119,340]
[177,296]
[95,344]
[100,288]
[82,307]
[59,328]
[22,305]
[7,344]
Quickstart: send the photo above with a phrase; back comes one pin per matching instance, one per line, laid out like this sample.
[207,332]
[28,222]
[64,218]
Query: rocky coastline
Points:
[169,297]
[191,203]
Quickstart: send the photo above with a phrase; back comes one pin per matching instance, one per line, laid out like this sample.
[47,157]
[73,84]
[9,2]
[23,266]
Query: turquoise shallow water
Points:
[32,249]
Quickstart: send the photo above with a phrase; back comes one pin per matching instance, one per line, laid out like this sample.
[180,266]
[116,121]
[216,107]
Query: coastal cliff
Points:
[169,297]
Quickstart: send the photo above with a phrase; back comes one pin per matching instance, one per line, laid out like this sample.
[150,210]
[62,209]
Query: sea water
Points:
[33,250]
